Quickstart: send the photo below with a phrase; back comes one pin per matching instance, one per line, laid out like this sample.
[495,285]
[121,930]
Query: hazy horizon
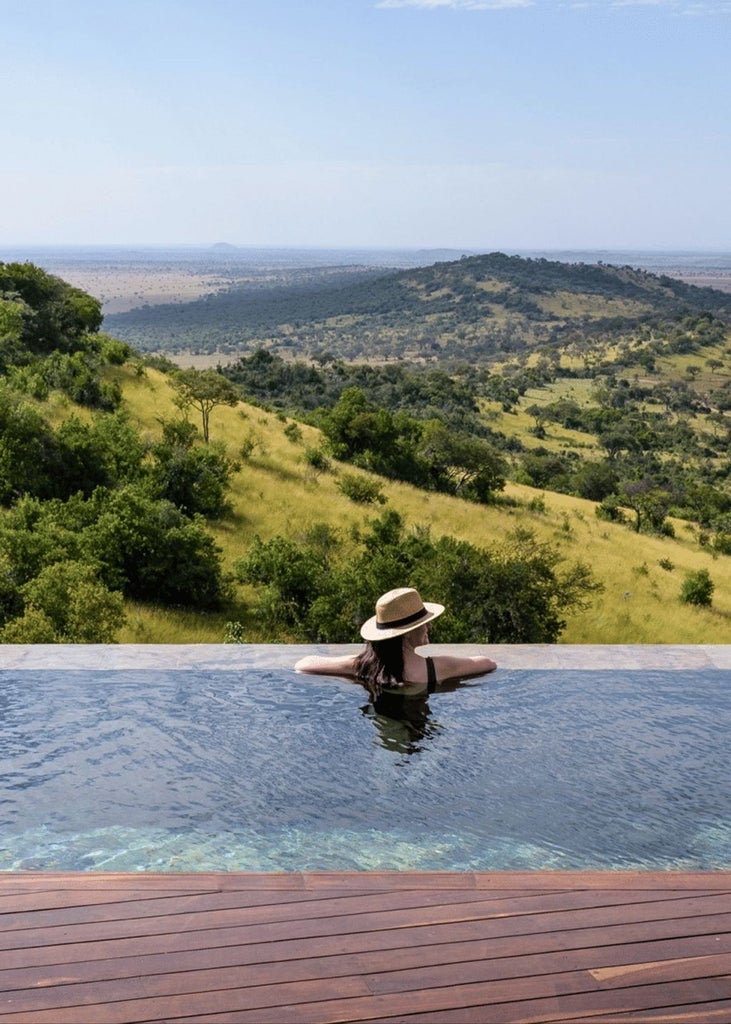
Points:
[223,247]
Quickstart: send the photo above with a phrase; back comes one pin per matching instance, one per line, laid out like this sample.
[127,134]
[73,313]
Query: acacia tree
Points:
[203,390]
[649,503]
[460,464]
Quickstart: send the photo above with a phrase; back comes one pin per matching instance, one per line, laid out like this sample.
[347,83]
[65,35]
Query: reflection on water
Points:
[402,723]
[404,720]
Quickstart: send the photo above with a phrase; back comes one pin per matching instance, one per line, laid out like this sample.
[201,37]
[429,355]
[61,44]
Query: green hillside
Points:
[478,308]
[277,492]
[118,521]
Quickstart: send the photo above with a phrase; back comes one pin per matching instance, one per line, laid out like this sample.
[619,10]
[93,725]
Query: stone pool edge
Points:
[229,657]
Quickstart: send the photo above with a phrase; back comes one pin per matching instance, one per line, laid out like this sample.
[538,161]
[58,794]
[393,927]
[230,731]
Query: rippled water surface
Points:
[276,771]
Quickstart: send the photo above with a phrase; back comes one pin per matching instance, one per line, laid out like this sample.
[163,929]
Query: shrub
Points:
[33,627]
[722,543]
[195,478]
[251,442]
[317,458]
[114,352]
[362,489]
[697,588]
[666,564]
[293,432]
[515,593]
[233,633]
[77,602]
[27,450]
[611,510]
[148,549]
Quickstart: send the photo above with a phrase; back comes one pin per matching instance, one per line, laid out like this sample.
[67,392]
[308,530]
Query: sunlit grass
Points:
[276,492]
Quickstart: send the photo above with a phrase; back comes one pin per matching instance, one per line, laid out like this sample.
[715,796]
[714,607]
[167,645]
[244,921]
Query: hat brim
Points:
[370,631]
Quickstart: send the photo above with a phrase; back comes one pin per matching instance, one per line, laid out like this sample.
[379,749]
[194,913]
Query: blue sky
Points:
[475,124]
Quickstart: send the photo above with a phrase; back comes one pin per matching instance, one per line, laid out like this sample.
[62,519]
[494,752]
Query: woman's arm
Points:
[449,666]
[327,665]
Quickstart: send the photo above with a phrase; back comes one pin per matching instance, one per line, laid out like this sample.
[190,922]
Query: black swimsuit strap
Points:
[431,675]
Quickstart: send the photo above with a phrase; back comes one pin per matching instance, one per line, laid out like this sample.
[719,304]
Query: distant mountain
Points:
[477,307]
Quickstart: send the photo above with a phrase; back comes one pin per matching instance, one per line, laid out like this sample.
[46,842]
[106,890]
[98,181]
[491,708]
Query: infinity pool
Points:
[164,770]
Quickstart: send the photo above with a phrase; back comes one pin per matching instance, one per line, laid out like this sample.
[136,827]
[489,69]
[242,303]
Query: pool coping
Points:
[232,657]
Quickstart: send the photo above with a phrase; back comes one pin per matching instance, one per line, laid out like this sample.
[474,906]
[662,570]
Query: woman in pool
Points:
[390,659]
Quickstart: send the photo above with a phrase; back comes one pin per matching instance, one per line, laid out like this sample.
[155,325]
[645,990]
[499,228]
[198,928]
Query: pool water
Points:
[267,770]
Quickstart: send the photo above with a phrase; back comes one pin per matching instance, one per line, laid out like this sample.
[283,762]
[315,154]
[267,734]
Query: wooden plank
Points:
[225,950]
[607,966]
[414,966]
[366,881]
[695,1013]
[563,935]
[630,880]
[255,906]
[116,881]
[500,923]
[716,1012]
[554,880]
[171,976]
[67,898]
[207,880]
[558,997]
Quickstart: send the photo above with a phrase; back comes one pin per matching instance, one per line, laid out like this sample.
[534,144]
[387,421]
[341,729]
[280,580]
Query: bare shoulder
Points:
[450,666]
[327,665]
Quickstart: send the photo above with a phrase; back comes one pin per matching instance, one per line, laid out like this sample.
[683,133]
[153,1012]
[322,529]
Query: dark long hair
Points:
[381,664]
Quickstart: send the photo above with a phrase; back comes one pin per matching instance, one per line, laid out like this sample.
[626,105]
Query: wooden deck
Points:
[488,948]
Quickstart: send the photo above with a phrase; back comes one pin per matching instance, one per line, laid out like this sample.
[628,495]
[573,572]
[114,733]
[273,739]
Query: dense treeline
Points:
[94,514]
[513,593]
[302,388]
[418,426]
[423,426]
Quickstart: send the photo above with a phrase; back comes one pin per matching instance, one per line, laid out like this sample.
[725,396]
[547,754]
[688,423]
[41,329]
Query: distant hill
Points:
[477,307]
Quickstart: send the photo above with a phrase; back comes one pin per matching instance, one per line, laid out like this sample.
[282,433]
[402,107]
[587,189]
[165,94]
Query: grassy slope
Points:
[276,493]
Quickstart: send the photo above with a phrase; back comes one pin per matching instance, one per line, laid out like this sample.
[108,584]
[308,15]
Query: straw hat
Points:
[397,612]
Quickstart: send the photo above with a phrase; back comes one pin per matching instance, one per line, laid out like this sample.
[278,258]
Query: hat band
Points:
[395,623]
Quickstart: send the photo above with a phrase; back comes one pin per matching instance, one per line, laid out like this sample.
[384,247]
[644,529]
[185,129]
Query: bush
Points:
[595,481]
[362,489]
[33,627]
[27,450]
[611,510]
[317,458]
[79,607]
[293,432]
[697,588]
[77,374]
[114,352]
[233,633]
[195,478]
[148,549]
[515,593]
[722,543]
